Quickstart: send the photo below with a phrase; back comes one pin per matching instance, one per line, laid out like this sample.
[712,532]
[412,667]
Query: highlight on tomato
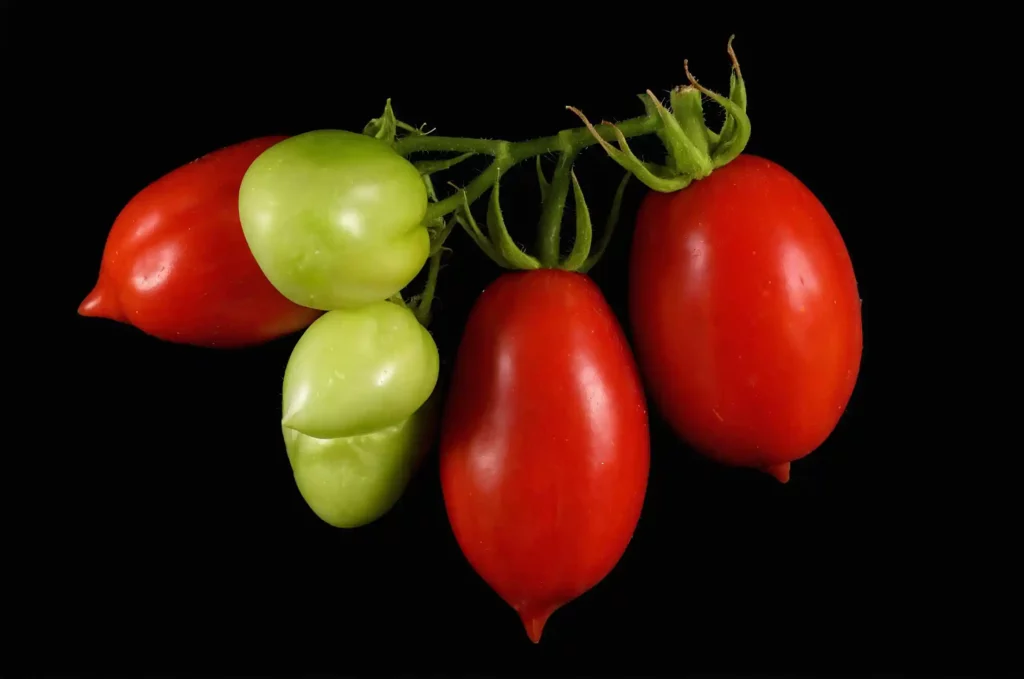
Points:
[177,267]
[744,308]
[335,218]
[357,409]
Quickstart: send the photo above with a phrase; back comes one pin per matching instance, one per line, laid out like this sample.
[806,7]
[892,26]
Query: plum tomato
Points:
[177,267]
[545,448]
[746,315]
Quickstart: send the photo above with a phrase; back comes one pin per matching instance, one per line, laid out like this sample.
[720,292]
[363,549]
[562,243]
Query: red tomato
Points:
[544,447]
[745,315]
[176,264]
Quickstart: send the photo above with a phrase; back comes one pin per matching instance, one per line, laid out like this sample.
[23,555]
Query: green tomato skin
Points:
[352,481]
[335,219]
[357,371]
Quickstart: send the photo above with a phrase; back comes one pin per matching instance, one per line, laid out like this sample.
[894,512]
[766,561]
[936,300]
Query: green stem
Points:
[422,309]
[550,228]
[693,153]
[508,154]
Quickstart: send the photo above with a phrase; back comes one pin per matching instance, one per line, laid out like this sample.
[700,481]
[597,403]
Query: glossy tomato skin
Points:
[545,447]
[176,264]
[745,315]
[356,371]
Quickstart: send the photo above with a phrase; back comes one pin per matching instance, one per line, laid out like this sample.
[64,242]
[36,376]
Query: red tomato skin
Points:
[176,264]
[745,315]
[545,448]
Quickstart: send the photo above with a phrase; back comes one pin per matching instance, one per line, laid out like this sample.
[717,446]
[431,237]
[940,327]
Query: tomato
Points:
[176,264]
[745,315]
[354,480]
[544,441]
[357,371]
[334,218]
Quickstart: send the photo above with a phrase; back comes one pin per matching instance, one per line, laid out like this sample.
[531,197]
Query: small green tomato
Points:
[352,481]
[357,371]
[335,219]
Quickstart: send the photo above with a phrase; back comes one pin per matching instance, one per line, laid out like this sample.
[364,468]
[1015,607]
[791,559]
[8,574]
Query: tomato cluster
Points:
[743,305]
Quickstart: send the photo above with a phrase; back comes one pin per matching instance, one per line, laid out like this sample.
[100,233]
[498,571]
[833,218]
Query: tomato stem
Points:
[692,153]
[550,228]
[693,150]
[440,229]
[426,300]
[497,244]
[508,154]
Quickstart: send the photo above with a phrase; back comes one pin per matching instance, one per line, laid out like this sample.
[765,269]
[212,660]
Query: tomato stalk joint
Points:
[694,151]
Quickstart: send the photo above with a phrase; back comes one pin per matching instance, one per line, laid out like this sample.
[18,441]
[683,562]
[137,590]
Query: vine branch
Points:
[509,154]
[693,152]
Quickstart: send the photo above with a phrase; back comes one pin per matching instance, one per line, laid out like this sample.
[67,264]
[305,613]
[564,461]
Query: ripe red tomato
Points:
[745,315]
[544,446]
[176,264]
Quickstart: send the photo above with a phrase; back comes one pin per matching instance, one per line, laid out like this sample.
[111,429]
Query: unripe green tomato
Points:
[352,481]
[335,219]
[357,371]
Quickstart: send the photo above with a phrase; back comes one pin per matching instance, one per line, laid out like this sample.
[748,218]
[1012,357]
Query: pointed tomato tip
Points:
[534,625]
[779,471]
[100,304]
[288,421]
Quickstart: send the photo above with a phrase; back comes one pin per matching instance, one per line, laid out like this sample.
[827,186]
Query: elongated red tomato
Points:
[545,447]
[745,315]
[176,264]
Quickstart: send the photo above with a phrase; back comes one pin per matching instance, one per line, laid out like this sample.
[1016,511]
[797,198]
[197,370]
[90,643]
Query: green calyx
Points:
[496,242]
[693,150]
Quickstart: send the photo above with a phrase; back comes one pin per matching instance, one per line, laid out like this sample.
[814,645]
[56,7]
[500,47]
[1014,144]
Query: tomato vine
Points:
[693,152]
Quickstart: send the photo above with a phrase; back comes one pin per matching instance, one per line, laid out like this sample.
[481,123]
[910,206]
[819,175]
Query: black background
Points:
[165,530]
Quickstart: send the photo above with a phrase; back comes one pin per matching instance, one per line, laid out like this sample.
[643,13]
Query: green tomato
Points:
[335,219]
[357,371]
[352,481]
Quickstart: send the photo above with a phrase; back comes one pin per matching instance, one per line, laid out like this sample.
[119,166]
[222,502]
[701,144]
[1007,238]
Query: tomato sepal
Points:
[385,127]
[657,177]
[429,167]
[737,95]
[584,230]
[683,134]
[542,181]
[609,227]
[693,151]
[501,240]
